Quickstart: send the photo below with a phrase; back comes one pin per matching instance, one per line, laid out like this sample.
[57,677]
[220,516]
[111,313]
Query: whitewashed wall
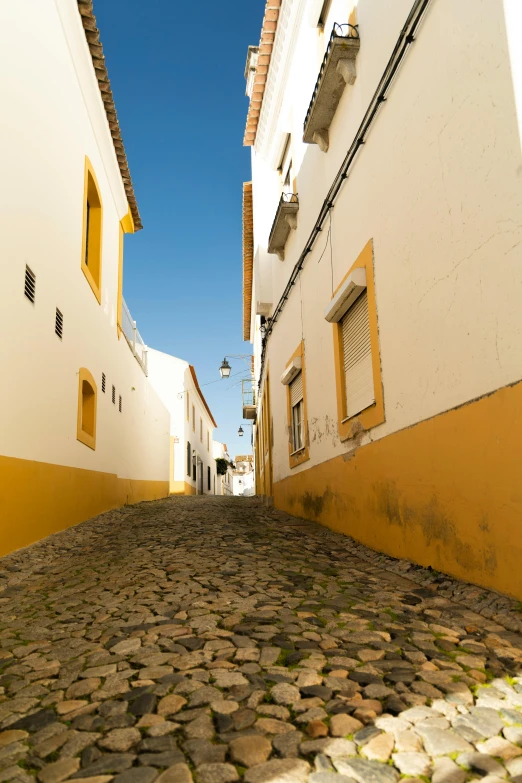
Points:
[437,186]
[172,380]
[52,117]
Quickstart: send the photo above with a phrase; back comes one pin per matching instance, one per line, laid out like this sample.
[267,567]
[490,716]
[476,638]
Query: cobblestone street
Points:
[216,640]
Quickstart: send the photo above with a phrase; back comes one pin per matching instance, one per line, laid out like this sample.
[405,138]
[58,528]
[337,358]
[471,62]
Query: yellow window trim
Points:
[84,437]
[126,227]
[91,193]
[374,415]
[303,455]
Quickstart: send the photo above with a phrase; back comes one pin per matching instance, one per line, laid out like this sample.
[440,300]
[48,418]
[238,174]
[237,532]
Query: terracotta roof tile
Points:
[92,36]
[248,256]
[268,32]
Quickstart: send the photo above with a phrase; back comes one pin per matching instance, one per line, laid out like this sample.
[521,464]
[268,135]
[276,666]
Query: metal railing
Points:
[339,31]
[133,337]
[248,393]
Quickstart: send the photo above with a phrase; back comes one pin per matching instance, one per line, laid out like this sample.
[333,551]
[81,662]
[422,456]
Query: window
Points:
[294,378]
[86,424]
[357,357]
[194,470]
[189,459]
[297,406]
[353,314]
[119,403]
[30,284]
[324,13]
[114,395]
[285,166]
[58,324]
[92,231]
[208,440]
[209,480]
[188,407]
[201,429]
[103,382]
[193,418]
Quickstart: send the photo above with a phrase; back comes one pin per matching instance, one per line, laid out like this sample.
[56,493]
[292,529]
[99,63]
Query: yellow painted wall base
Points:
[445,493]
[189,489]
[37,498]
[177,488]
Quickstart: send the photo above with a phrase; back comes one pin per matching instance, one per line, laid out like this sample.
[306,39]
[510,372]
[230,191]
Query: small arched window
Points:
[92,231]
[87,398]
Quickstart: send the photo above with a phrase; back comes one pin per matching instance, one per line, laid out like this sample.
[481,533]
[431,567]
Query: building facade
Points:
[81,429]
[243,477]
[224,480]
[382,259]
[192,461]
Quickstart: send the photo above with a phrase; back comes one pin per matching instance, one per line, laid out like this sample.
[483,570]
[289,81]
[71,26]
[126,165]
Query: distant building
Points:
[81,430]
[192,461]
[243,477]
[224,481]
[382,275]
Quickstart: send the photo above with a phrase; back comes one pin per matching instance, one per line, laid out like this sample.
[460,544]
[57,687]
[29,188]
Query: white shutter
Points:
[357,350]
[296,389]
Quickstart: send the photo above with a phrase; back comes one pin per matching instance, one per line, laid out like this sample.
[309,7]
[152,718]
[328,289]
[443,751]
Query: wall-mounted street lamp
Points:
[225,369]
[241,432]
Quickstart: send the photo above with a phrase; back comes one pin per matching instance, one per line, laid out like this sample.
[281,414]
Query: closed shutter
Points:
[296,389]
[357,351]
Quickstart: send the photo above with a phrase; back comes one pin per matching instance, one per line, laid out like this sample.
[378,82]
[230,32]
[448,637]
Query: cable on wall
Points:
[404,41]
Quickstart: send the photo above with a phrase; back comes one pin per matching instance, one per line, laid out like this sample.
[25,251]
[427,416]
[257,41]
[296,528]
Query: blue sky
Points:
[178,84]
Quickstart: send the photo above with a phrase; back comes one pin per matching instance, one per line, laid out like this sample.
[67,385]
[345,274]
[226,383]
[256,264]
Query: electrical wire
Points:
[404,41]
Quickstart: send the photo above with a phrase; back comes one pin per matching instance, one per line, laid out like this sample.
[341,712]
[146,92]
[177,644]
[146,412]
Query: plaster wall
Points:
[53,117]
[437,188]
[172,379]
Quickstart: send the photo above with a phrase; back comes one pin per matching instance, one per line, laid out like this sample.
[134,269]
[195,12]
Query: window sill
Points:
[86,439]
[298,452]
[93,284]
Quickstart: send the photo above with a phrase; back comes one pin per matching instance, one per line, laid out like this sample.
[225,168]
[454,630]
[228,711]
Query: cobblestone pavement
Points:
[215,640]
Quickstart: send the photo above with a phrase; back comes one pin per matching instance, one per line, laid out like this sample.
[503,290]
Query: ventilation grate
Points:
[104,383]
[58,324]
[114,395]
[30,284]
[119,403]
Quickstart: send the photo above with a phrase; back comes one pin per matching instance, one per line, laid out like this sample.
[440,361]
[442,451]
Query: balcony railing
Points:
[337,70]
[249,400]
[284,221]
[133,337]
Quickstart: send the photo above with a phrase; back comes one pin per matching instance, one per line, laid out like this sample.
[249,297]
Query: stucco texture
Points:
[445,493]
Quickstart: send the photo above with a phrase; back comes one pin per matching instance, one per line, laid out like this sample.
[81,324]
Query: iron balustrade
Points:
[338,31]
[133,337]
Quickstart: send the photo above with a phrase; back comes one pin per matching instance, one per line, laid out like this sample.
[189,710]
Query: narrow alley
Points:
[216,639]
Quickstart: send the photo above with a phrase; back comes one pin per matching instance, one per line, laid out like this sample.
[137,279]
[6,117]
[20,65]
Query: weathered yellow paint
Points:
[37,498]
[374,415]
[445,493]
[178,488]
[93,237]
[189,489]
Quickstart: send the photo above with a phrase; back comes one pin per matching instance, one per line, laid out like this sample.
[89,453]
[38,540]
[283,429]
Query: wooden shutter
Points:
[357,351]
[296,389]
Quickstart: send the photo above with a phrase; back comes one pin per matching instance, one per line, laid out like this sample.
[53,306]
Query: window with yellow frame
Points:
[87,400]
[91,260]
[294,379]
[353,314]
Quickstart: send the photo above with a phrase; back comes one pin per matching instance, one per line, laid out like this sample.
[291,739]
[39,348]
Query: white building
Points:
[383,274]
[81,429]
[243,476]
[224,481]
[192,461]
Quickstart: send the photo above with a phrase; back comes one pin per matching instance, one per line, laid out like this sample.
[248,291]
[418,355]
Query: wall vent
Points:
[30,284]
[104,382]
[114,395]
[119,403]
[58,324]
